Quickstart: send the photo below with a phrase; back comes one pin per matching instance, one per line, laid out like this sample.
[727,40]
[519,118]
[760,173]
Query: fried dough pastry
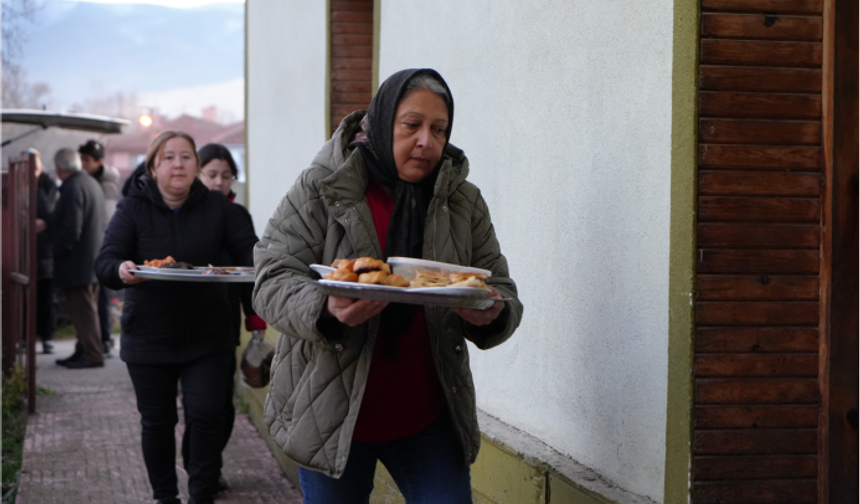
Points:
[460,277]
[364,270]
[429,279]
[395,281]
[472,281]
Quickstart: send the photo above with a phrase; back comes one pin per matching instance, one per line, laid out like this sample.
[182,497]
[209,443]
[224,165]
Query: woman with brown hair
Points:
[176,332]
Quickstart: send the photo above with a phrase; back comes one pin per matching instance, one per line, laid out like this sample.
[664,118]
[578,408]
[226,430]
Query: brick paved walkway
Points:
[83,444]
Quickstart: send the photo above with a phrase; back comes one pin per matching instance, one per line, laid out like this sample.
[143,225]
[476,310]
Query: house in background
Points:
[674,186]
[125,152]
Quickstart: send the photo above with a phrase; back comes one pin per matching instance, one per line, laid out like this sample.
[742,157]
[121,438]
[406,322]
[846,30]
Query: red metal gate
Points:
[19,271]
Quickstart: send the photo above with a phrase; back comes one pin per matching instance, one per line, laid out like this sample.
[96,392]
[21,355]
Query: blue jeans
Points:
[427,467]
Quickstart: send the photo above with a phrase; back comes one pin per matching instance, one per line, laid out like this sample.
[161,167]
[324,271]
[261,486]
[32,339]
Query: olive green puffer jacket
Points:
[317,383]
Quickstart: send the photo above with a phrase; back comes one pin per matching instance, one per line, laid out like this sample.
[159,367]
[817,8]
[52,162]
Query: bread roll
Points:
[365,264]
[343,275]
[372,277]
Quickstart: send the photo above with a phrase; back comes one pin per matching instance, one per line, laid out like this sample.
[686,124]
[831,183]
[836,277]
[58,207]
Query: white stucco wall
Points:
[564,110]
[286,97]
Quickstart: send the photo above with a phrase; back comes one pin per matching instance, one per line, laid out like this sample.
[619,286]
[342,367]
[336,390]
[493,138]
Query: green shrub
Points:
[14,427]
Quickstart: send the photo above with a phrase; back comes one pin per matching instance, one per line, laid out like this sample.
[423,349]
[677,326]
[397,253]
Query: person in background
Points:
[218,171]
[176,333]
[92,158]
[134,178]
[78,223]
[46,298]
[387,184]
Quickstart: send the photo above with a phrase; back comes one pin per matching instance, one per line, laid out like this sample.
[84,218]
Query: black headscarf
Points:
[406,228]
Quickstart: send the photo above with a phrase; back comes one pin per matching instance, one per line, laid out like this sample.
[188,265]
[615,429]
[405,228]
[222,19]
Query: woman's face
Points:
[419,134]
[176,167]
[217,176]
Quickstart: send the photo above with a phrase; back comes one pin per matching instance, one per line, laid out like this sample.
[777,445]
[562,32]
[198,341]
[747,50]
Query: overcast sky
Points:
[175,60]
[180,4]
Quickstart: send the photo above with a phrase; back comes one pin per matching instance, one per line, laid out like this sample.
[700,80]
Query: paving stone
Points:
[83,444]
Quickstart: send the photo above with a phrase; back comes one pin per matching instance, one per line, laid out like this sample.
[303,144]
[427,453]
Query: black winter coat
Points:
[46,200]
[240,294]
[79,218]
[170,321]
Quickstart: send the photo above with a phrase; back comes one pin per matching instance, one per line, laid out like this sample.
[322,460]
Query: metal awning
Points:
[45,119]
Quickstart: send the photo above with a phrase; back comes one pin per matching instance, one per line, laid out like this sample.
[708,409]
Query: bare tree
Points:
[119,104]
[15,13]
[17,91]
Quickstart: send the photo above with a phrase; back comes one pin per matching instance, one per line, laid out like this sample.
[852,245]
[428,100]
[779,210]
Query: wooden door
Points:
[759,239]
[838,468]
[765,293]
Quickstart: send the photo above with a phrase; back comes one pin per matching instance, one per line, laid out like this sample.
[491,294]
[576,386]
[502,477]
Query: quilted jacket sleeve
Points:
[284,295]
[487,254]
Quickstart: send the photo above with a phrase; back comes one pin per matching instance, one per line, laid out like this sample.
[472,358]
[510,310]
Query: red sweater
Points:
[402,397]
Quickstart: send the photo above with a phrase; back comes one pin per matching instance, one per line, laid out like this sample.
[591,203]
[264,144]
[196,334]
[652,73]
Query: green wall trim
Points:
[327,107]
[375,71]
[247,166]
[682,252]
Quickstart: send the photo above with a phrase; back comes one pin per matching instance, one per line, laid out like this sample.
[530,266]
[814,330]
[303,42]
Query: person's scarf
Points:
[411,200]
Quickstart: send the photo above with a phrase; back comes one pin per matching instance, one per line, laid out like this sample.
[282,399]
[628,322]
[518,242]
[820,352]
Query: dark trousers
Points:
[104,314]
[46,309]
[229,417]
[83,311]
[204,383]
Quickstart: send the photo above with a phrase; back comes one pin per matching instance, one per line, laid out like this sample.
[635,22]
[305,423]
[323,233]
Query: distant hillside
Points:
[86,49]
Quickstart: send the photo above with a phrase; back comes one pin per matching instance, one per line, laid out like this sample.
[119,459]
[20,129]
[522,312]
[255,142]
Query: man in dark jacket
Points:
[78,232]
[46,299]
[92,158]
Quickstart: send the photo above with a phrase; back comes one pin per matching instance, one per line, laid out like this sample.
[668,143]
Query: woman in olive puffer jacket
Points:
[356,381]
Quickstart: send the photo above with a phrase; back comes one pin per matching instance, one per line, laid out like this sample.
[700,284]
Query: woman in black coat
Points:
[176,332]
[217,172]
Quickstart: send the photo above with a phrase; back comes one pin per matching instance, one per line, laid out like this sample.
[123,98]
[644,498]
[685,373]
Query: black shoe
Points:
[47,347]
[169,500]
[75,356]
[201,500]
[83,363]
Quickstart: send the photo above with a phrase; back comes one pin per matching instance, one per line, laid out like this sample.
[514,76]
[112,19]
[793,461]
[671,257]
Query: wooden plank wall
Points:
[351,57]
[760,184]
